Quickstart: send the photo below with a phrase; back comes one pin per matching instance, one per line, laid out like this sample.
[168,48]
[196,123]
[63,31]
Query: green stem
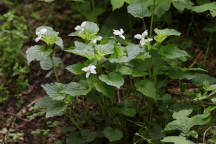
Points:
[54,69]
[144,24]
[93,4]
[150,114]
[152,19]
[209,43]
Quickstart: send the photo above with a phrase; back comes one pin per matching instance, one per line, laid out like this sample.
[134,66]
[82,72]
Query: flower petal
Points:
[121,31]
[83,24]
[116,32]
[87,74]
[122,36]
[138,36]
[145,33]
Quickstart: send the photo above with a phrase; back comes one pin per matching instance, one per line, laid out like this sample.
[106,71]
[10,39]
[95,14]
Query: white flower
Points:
[142,38]
[40,34]
[97,39]
[81,27]
[89,69]
[119,33]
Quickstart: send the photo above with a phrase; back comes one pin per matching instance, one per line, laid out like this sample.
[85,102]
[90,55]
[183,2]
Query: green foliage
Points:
[176,140]
[13,67]
[123,91]
[206,7]
[112,134]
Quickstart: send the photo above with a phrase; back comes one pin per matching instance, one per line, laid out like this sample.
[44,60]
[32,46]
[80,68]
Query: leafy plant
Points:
[13,67]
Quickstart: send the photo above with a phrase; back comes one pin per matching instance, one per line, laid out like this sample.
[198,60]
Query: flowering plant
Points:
[108,65]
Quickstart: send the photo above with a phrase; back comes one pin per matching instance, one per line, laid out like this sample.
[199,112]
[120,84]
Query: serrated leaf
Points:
[75,68]
[36,53]
[76,89]
[54,90]
[53,108]
[176,140]
[112,79]
[147,88]
[83,50]
[171,51]
[206,7]
[112,134]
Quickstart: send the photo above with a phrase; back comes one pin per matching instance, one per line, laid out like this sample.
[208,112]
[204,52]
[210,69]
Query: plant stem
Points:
[204,135]
[207,51]
[93,4]
[144,24]
[152,19]
[54,69]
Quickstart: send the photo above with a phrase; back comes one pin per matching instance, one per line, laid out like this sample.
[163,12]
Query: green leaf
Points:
[183,123]
[60,43]
[124,70]
[162,34]
[83,50]
[48,0]
[36,53]
[51,37]
[162,6]
[167,32]
[182,4]
[171,51]
[116,4]
[200,78]
[127,108]
[112,79]
[46,63]
[106,90]
[75,68]
[76,89]
[103,50]
[112,134]
[89,135]
[176,140]
[140,8]
[74,138]
[147,88]
[53,108]
[133,51]
[91,28]
[206,7]
[54,90]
